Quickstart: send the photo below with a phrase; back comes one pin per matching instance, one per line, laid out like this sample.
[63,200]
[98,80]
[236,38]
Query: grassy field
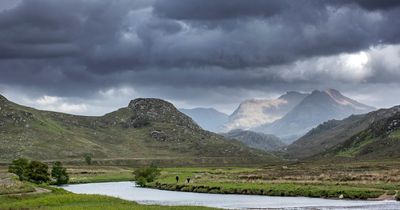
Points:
[91,174]
[22,195]
[362,180]
[352,180]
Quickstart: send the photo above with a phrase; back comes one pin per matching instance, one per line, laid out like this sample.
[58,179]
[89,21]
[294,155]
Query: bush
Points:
[141,181]
[20,168]
[59,173]
[88,159]
[33,171]
[38,172]
[146,174]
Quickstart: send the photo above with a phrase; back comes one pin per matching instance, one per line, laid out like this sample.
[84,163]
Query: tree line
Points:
[38,172]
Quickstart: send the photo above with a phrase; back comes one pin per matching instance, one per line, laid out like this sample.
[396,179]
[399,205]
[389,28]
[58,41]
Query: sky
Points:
[90,57]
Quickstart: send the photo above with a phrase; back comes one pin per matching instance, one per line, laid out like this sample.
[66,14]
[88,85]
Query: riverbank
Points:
[368,180]
[362,180]
[61,199]
[365,181]
[23,195]
[128,191]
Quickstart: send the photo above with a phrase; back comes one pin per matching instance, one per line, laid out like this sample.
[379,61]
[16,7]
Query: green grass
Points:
[276,189]
[61,199]
[395,135]
[356,147]
[106,177]
[228,181]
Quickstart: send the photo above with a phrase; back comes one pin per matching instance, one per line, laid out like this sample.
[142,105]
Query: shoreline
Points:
[241,191]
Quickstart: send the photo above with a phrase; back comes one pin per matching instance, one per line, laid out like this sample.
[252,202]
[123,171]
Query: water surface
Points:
[128,191]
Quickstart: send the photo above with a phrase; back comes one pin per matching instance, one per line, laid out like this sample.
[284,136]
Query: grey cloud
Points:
[217,9]
[371,4]
[75,48]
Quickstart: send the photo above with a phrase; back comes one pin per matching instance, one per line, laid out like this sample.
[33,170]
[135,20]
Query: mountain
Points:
[256,140]
[146,130]
[375,135]
[208,118]
[318,107]
[255,112]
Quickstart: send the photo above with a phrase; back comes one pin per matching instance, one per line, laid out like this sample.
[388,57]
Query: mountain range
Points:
[149,130]
[315,108]
[146,130]
[289,116]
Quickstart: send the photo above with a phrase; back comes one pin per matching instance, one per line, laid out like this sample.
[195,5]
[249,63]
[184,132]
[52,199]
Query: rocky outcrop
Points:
[157,110]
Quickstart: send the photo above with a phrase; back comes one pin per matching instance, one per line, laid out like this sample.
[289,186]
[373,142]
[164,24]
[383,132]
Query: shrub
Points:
[20,168]
[59,173]
[146,174]
[141,181]
[88,159]
[38,172]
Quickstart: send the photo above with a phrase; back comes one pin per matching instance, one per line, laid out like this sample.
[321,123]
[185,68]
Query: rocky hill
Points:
[372,135]
[145,130]
[256,140]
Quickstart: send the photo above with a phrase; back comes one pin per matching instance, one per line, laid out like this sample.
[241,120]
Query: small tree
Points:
[144,175]
[59,173]
[20,168]
[38,172]
[88,159]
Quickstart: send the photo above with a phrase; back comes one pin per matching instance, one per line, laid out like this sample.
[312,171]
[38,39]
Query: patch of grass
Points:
[395,135]
[263,181]
[355,148]
[276,189]
[106,177]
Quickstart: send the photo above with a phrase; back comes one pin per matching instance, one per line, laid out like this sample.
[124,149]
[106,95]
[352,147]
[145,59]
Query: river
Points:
[128,191]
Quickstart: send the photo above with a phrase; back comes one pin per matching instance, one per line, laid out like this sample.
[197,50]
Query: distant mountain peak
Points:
[254,112]
[317,107]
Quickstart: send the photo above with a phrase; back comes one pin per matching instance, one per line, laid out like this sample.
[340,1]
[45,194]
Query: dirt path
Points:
[38,190]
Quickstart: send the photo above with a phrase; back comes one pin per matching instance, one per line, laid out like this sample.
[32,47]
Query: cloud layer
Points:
[209,52]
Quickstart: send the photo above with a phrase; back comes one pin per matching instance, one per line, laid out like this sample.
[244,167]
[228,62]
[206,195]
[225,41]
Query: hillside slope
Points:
[148,129]
[208,118]
[381,140]
[354,136]
[256,140]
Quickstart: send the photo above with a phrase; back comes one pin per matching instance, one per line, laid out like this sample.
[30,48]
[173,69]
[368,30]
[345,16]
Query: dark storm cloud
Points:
[372,4]
[217,9]
[77,47]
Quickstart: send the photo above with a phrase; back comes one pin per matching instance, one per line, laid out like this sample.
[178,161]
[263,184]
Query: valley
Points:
[334,160]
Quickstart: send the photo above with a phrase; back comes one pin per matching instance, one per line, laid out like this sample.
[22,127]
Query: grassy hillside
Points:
[266,142]
[373,135]
[147,130]
[380,140]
